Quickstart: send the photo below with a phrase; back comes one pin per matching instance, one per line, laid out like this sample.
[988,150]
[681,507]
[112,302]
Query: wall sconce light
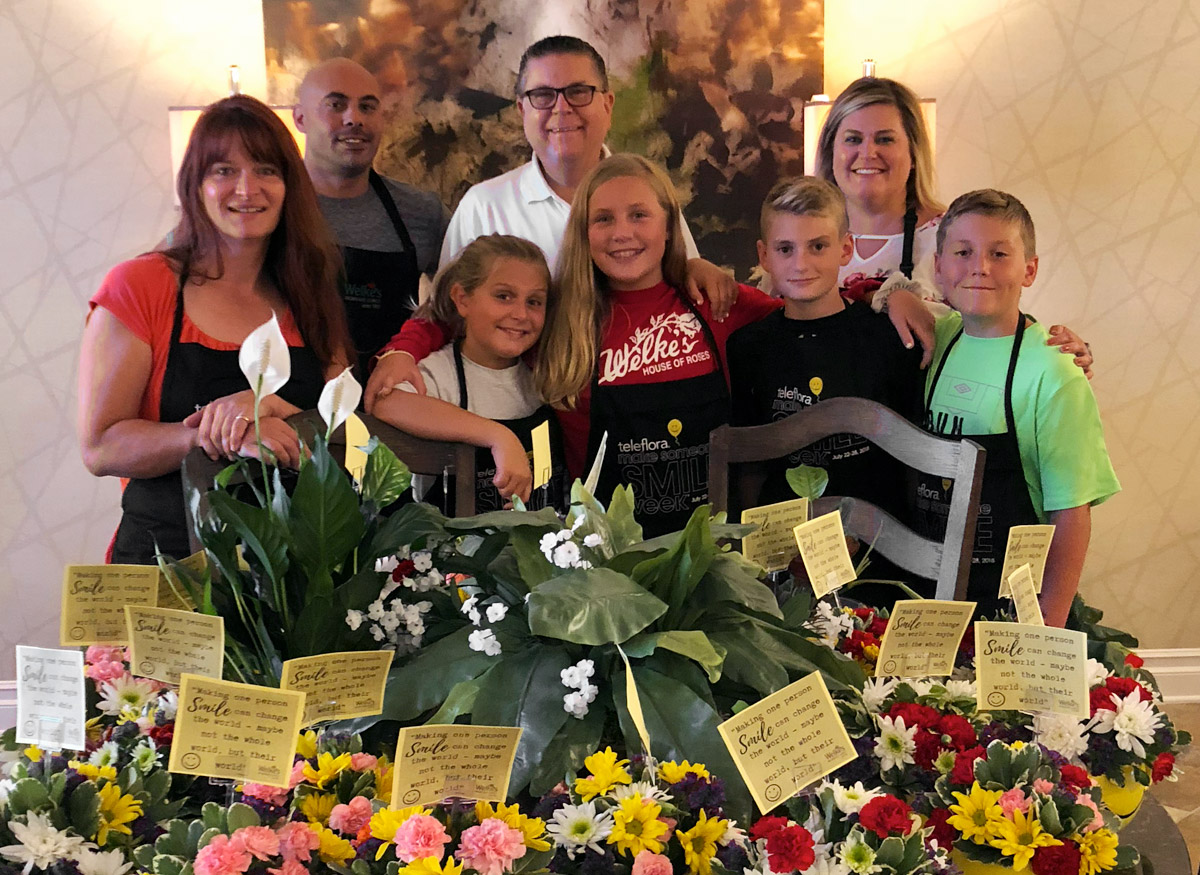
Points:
[181,120]
[817,110]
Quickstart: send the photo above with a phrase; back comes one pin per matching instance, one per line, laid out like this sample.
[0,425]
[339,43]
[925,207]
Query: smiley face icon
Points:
[996,699]
[773,793]
[411,797]
[190,760]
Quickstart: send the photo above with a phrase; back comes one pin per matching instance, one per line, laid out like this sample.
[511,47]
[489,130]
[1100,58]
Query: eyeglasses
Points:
[545,98]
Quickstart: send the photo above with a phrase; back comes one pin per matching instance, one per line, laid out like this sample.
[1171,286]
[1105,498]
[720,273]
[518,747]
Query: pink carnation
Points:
[491,847]
[290,867]
[105,672]
[352,817]
[647,863]
[222,856]
[1014,800]
[297,842]
[1041,785]
[265,792]
[1097,818]
[259,841]
[363,762]
[102,653]
[422,836]
[296,778]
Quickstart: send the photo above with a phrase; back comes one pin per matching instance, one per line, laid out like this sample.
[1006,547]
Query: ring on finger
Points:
[242,417]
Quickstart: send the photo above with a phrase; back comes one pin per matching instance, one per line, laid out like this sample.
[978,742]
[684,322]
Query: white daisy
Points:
[105,755]
[875,692]
[1061,733]
[1134,721]
[895,746]
[579,827]
[126,694]
[1097,672]
[41,844]
[103,863]
[857,856]
[145,755]
[639,790]
[850,800]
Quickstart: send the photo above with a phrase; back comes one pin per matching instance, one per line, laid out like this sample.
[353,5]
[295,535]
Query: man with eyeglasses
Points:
[566,109]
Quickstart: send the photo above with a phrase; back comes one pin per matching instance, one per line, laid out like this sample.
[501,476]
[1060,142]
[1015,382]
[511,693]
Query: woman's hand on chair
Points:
[224,424]
[278,439]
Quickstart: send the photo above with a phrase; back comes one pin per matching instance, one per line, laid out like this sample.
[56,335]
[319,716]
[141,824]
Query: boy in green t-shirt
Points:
[995,381]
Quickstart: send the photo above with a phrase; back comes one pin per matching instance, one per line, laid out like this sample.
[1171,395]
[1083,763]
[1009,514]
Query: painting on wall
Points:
[711,89]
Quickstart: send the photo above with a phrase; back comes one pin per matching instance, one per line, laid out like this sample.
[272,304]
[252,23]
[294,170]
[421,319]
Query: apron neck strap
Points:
[389,207]
[1010,419]
[910,231]
[461,373]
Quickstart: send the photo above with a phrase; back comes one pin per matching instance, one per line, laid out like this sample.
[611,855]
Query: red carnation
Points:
[1075,777]
[766,826]
[942,831]
[162,735]
[958,729]
[878,627]
[1124,686]
[790,849]
[404,568]
[1101,699]
[1164,765]
[865,614]
[928,747]
[914,714]
[1134,661]
[964,766]
[857,640]
[885,816]
[1056,859]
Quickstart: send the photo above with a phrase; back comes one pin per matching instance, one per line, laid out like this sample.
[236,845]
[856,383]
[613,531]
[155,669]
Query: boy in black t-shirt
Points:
[817,347]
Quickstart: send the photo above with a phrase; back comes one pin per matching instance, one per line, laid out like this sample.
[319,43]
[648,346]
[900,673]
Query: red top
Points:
[651,337]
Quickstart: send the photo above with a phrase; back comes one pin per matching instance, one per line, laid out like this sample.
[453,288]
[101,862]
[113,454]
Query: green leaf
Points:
[592,606]
[1127,857]
[84,809]
[506,520]
[807,482]
[1049,817]
[525,690]
[241,815]
[424,681]
[386,478]
[625,531]
[460,701]
[325,522]
[564,755]
[890,853]
[694,645]
[746,664]
[535,568]
[30,794]
[674,575]
[257,528]
[732,578]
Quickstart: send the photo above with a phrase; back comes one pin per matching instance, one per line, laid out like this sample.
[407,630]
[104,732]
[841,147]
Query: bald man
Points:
[389,232]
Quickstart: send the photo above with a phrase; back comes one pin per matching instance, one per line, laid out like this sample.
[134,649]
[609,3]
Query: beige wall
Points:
[1089,111]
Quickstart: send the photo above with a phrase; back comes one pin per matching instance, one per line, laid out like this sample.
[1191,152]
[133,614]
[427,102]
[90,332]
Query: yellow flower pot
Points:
[974,867]
[1121,801]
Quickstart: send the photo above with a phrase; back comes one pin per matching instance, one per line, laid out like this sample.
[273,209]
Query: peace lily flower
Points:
[338,400]
[579,827]
[41,844]
[264,358]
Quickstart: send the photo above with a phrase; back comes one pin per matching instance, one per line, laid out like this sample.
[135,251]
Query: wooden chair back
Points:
[946,562]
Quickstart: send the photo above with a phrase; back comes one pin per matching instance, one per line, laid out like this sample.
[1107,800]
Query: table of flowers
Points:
[525,619]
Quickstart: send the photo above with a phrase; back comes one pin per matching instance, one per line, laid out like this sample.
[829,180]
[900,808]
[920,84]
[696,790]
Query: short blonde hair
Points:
[470,268]
[572,337]
[997,204]
[805,196]
[870,91]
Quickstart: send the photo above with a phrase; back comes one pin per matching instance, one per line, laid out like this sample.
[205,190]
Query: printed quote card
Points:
[788,740]
[774,543]
[822,544]
[94,599]
[238,731]
[1031,668]
[166,643]
[922,638]
[50,698]
[1027,545]
[442,761]
[338,686]
[1025,597]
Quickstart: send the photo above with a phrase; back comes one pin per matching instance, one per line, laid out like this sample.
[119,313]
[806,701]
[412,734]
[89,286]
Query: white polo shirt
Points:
[519,202]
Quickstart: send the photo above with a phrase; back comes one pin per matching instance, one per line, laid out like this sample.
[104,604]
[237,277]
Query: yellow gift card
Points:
[541,455]
[338,686]
[822,544]
[922,638]
[442,761]
[166,643]
[774,544]
[94,599]
[1025,597]
[239,731]
[787,741]
[1019,667]
[357,437]
[1027,545]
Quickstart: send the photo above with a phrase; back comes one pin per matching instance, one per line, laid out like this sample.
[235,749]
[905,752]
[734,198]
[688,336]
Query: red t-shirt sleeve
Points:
[751,305]
[419,338]
[141,294]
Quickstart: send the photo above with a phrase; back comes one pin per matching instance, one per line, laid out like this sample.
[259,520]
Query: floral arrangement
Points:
[1018,809]
[670,819]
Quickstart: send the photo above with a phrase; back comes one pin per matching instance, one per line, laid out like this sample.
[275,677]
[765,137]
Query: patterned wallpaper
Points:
[1089,111]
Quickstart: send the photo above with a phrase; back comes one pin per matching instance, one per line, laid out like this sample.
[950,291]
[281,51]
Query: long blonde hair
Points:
[571,341]
[870,91]
[471,268]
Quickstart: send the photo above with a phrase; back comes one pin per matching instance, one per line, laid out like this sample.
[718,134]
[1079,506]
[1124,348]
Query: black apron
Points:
[658,440]
[1004,501]
[152,509]
[379,289]
[487,496]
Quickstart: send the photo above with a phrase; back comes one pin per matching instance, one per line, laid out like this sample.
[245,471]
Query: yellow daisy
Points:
[430,866]
[673,772]
[1020,837]
[700,843]
[117,811]
[328,768]
[636,827]
[1097,851]
[532,829]
[334,848]
[306,744]
[976,814]
[383,772]
[605,772]
[316,807]
[94,773]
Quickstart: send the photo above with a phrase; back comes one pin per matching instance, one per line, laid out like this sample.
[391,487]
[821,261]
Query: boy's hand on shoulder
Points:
[1071,343]
[706,280]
